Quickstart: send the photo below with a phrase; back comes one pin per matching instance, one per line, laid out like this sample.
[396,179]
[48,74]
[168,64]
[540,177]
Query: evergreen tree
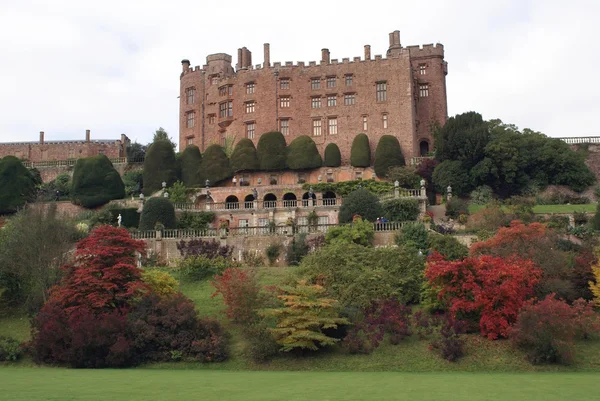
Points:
[303,154]
[96,182]
[17,185]
[244,156]
[360,202]
[190,166]
[272,151]
[215,165]
[159,166]
[388,154]
[360,153]
[157,210]
[333,157]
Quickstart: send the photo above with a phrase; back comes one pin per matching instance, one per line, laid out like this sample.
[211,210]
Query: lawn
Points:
[542,209]
[42,384]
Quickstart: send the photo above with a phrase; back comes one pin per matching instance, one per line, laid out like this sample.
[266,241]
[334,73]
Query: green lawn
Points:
[541,209]
[42,384]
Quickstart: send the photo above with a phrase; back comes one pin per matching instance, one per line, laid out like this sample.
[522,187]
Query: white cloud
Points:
[113,66]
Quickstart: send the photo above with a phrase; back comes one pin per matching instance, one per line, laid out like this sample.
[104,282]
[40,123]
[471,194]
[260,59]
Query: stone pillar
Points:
[87,135]
[325,56]
[449,193]
[41,137]
[267,55]
[367,52]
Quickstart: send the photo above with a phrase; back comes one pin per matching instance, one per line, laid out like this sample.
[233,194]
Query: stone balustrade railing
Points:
[70,162]
[580,139]
[275,204]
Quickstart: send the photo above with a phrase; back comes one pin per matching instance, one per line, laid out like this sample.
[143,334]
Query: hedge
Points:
[360,153]
[130,218]
[244,156]
[17,185]
[401,209]
[272,151]
[333,157]
[96,182]
[360,202]
[190,166]
[302,154]
[388,154]
[159,166]
[157,210]
[215,165]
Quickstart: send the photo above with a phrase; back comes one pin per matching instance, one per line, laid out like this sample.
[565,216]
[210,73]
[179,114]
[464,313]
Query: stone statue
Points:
[255,193]
[119,218]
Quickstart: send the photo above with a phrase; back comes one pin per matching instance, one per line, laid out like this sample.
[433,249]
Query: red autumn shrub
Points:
[444,332]
[490,290]
[240,292]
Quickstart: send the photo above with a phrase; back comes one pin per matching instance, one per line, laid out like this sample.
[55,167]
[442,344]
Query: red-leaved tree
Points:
[105,275]
[240,292]
[490,290]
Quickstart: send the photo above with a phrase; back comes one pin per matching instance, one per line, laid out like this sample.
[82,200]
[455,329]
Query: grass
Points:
[543,209]
[46,384]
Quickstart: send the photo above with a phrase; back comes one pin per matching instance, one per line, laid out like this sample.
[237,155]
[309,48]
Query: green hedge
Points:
[130,217]
[333,157]
[360,153]
[388,154]
[272,151]
[343,188]
[159,166]
[96,182]
[215,165]
[157,210]
[302,154]
[190,166]
[360,202]
[401,209]
[17,185]
[244,156]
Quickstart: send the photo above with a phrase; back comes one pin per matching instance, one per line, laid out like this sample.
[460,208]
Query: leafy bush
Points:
[209,248]
[426,168]
[190,166]
[197,268]
[272,151]
[455,207]
[273,251]
[560,223]
[596,219]
[215,165]
[451,173]
[413,235]
[10,349]
[133,181]
[356,275]
[240,291]
[360,153]
[401,209]
[406,176]
[252,259]
[482,195]
[160,283]
[96,182]
[195,220]
[387,154]
[344,188]
[261,346]
[17,185]
[157,211]
[297,250]
[581,218]
[333,157]
[244,156]
[360,202]
[302,153]
[360,232]
[444,332]
[448,247]
[489,218]
[159,166]
[178,192]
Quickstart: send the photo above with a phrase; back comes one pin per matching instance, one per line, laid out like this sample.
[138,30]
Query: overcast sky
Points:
[113,66]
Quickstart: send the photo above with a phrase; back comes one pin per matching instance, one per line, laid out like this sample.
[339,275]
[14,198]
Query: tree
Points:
[240,291]
[161,135]
[488,290]
[159,166]
[160,211]
[272,151]
[17,185]
[302,154]
[401,209]
[405,175]
[133,181]
[136,151]
[304,316]
[388,154]
[360,202]
[452,173]
[96,182]
[360,232]
[360,153]
[595,285]
[215,165]
[244,156]
[463,138]
[190,166]
[333,157]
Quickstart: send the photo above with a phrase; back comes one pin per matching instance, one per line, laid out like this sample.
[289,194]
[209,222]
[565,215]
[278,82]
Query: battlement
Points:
[218,57]
[427,50]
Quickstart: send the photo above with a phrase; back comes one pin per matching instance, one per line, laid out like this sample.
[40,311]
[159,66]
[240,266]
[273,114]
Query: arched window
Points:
[249,202]
[423,148]
[289,200]
[270,201]
[329,199]
[309,199]
[232,202]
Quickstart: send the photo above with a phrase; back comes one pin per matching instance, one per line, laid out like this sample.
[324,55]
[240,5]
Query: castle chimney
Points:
[185,65]
[239,62]
[325,56]
[87,135]
[267,52]
[41,137]
[395,39]
[367,52]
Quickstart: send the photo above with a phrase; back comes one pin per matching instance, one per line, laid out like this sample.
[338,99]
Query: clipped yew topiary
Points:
[333,157]
[244,156]
[17,185]
[362,203]
[302,154]
[159,166]
[96,182]
[272,151]
[190,166]
[360,153]
[215,165]
[157,210]
[388,154]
